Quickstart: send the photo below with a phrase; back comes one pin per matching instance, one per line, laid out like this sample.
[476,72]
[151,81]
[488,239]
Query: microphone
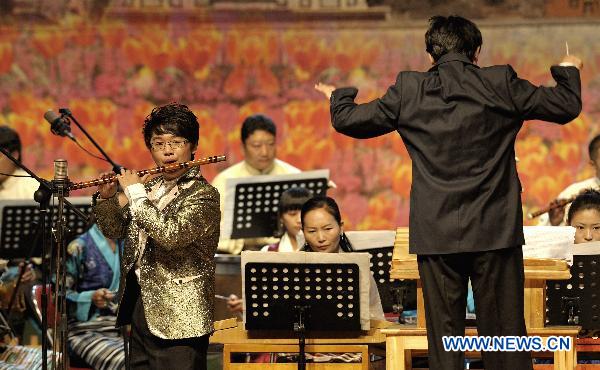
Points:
[61,176]
[58,125]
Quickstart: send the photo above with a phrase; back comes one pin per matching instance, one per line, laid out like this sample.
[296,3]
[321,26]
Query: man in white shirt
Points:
[258,136]
[558,216]
[14,182]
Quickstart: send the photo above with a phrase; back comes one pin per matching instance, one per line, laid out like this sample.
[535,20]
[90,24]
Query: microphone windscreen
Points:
[60,169]
[50,116]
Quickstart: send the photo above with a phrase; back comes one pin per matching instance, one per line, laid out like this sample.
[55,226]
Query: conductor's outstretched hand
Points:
[572,59]
[325,89]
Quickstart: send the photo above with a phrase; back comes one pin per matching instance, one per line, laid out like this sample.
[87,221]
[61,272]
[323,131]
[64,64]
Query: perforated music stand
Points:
[251,203]
[395,295]
[305,291]
[17,216]
[576,301]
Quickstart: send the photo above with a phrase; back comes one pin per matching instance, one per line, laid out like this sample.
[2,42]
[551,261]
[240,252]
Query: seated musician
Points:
[324,232]
[290,225]
[13,356]
[557,216]
[93,273]
[14,182]
[258,134]
[584,216]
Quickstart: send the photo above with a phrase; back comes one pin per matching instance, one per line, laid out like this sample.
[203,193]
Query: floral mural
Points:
[111,74]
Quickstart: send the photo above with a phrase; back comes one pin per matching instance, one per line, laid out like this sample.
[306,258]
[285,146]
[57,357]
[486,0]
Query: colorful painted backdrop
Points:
[111,75]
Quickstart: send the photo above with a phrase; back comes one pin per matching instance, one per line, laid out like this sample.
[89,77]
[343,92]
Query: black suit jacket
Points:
[459,123]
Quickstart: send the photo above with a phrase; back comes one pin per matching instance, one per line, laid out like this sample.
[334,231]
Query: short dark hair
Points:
[589,199]
[593,147]
[452,34]
[9,140]
[329,205]
[257,122]
[173,118]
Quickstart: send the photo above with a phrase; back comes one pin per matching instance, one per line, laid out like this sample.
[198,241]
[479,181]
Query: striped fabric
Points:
[21,358]
[98,343]
[348,357]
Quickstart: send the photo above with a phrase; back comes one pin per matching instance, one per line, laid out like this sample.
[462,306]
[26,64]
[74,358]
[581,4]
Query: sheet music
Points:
[230,185]
[361,259]
[362,240]
[549,242]
[587,249]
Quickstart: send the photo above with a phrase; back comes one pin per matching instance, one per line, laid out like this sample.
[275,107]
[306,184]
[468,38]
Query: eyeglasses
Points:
[161,145]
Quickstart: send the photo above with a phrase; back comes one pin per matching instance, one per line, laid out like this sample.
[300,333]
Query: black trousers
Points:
[148,351]
[497,278]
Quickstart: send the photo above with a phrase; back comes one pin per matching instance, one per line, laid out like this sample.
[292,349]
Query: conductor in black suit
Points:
[459,123]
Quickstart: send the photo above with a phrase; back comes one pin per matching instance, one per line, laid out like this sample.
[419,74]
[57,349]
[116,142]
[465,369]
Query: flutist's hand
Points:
[556,215]
[325,89]
[107,190]
[130,177]
[572,60]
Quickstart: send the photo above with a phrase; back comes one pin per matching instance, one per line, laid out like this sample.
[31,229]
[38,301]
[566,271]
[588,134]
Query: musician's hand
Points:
[130,177]
[235,304]
[107,190]
[573,60]
[29,274]
[557,214]
[101,297]
[21,302]
[325,89]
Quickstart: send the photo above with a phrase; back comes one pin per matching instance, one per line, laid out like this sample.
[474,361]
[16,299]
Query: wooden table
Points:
[236,339]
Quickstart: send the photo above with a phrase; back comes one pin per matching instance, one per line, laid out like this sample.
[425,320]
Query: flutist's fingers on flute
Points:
[129,177]
[107,190]
[556,214]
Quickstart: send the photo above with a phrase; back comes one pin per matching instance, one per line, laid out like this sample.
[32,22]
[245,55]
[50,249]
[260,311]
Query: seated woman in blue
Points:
[93,272]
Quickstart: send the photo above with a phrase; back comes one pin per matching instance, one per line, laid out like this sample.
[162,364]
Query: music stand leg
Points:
[300,328]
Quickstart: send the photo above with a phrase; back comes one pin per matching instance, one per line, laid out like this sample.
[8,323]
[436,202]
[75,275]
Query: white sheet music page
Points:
[587,249]
[230,185]
[549,242]
[371,239]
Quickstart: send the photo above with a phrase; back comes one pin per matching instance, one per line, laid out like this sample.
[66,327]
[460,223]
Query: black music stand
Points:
[251,203]
[396,295]
[322,293]
[18,216]
[576,301]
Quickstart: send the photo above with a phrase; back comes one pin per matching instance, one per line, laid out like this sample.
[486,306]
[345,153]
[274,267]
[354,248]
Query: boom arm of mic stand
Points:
[67,112]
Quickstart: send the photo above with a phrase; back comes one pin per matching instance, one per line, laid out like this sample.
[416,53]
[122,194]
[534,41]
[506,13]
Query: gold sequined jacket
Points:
[177,268]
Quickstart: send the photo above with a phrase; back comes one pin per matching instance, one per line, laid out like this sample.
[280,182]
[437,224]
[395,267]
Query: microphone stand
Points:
[66,113]
[43,196]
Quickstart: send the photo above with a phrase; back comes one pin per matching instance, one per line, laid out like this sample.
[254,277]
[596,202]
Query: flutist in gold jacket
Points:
[171,228]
